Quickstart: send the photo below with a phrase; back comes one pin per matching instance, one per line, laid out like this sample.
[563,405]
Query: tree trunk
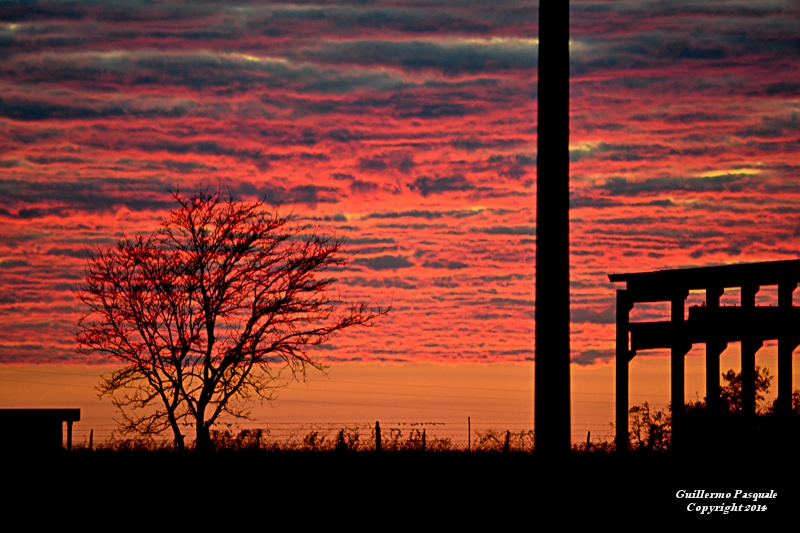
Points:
[178,436]
[179,446]
[202,441]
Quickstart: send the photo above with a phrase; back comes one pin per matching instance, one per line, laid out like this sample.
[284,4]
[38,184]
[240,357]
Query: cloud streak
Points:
[410,130]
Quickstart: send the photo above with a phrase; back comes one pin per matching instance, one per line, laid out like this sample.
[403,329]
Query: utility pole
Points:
[552,381]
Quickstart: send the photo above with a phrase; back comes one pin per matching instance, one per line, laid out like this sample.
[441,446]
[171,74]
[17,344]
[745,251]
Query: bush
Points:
[649,430]
[503,441]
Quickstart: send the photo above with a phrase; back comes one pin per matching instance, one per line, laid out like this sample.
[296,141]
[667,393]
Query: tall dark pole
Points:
[552,382]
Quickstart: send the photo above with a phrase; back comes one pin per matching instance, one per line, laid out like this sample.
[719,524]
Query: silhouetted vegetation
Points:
[503,441]
[651,430]
[731,392]
[217,307]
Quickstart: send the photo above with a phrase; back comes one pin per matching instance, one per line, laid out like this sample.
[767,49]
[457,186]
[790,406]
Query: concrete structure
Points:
[36,430]
[708,324]
[552,394]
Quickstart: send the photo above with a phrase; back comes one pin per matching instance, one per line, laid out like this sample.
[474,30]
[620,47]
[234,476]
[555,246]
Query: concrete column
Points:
[786,345]
[680,348]
[552,363]
[714,349]
[623,357]
[69,435]
[749,348]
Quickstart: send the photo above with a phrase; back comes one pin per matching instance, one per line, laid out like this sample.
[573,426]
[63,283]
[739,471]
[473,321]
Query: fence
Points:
[399,436]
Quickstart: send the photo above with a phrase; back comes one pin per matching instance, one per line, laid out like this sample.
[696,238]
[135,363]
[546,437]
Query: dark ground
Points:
[634,492]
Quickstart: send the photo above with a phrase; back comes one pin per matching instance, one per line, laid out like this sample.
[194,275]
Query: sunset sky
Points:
[409,128]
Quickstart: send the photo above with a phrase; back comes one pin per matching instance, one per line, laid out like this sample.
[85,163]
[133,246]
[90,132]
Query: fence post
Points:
[91,439]
[423,440]
[507,443]
[341,445]
[377,436]
[469,434]
[588,442]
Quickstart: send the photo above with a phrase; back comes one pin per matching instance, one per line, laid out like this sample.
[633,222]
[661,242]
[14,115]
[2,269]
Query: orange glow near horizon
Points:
[494,396]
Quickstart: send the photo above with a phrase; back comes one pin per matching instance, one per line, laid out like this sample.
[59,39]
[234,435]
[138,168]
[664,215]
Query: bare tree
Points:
[208,311]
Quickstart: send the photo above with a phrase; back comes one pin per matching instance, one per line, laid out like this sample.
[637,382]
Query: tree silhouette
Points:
[652,430]
[649,429]
[731,392]
[214,308]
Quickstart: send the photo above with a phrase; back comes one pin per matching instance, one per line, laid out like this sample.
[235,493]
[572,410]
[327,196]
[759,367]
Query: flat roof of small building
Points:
[36,415]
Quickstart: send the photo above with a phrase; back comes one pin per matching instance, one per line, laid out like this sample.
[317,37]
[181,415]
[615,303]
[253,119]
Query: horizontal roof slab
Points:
[738,275]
